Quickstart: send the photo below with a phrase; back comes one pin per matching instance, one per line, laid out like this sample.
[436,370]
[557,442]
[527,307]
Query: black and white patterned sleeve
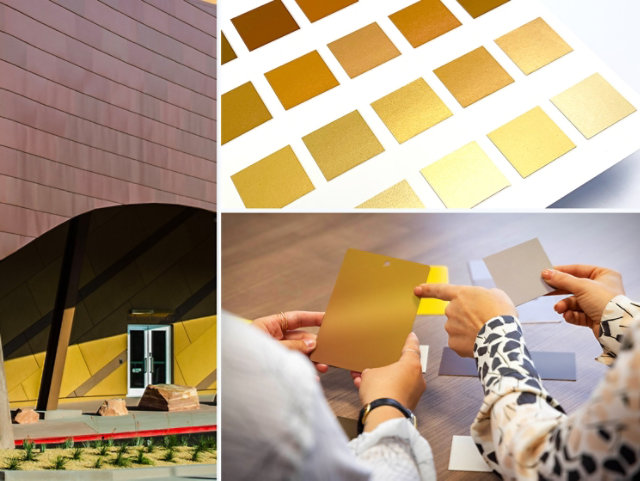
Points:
[616,319]
[522,431]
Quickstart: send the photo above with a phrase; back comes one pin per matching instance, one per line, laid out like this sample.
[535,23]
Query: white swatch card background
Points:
[403,161]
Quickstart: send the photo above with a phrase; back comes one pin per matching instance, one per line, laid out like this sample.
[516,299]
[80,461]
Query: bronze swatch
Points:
[423,21]
[301,79]
[363,50]
[317,9]
[475,8]
[228,54]
[264,24]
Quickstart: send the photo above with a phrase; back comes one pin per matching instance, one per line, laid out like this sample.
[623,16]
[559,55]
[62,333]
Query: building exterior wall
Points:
[103,102]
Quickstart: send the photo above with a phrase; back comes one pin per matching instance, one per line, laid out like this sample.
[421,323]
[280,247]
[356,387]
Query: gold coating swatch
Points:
[411,109]
[465,177]
[317,9]
[475,8]
[342,144]
[363,50]
[399,196]
[370,312]
[301,79]
[431,306]
[273,182]
[593,105]
[531,141]
[533,45]
[264,24]
[242,109]
[473,76]
[423,21]
[228,54]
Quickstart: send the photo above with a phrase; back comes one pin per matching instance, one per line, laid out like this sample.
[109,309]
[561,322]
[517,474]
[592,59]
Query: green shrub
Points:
[141,458]
[59,463]
[121,460]
[77,454]
[13,464]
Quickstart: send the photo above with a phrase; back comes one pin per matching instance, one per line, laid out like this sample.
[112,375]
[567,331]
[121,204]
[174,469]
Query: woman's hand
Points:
[591,288]
[283,327]
[402,381]
[468,310]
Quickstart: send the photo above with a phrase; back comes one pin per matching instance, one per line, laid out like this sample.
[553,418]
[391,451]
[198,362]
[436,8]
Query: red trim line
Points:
[124,435]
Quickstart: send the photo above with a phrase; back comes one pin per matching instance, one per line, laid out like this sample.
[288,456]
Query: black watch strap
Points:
[384,401]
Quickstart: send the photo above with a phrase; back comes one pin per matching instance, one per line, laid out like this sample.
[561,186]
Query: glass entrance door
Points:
[149,357]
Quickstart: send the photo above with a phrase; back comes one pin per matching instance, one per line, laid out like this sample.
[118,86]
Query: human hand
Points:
[468,310]
[591,288]
[283,327]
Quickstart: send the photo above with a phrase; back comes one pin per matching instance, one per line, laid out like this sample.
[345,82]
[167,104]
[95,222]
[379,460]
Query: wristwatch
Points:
[385,401]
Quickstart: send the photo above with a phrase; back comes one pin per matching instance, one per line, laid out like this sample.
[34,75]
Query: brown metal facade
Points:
[103,102]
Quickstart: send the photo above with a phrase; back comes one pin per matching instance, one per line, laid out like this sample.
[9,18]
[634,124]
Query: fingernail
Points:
[547,273]
[417,290]
[413,336]
[310,342]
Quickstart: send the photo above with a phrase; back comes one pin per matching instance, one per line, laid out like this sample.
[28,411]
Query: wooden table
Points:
[280,262]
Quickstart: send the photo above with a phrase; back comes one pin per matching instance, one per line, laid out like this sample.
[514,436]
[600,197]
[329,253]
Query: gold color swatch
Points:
[475,8]
[363,50]
[242,109]
[264,24]
[423,21]
[531,141]
[411,109]
[273,182]
[228,54]
[473,76]
[465,177]
[370,312]
[593,105]
[399,196]
[533,45]
[317,9]
[342,144]
[301,79]
[434,307]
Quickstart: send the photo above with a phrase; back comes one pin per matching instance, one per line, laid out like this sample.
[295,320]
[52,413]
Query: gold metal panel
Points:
[531,141]
[533,45]
[370,312]
[273,182]
[317,9]
[593,105]
[242,109]
[465,177]
[363,50]
[475,8]
[423,21]
[473,76]
[301,79]
[399,196]
[228,54]
[342,144]
[264,24]
[411,109]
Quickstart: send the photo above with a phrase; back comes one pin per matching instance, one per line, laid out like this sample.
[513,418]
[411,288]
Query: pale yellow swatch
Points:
[342,144]
[399,196]
[363,50]
[473,76]
[593,105]
[411,109]
[531,141]
[301,79]
[273,182]
[465,177]
[533,45]
[434,307]
[242,109]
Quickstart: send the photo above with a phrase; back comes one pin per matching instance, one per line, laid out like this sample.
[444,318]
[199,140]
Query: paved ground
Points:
[89,423]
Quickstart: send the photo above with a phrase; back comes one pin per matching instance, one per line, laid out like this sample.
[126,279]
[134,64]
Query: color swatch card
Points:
[465,456]
[370,312]
[556,366]
[340,104]
[537,311]
[518,271]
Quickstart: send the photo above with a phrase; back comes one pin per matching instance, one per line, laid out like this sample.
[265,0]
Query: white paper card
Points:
[424,353]
[465,456]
